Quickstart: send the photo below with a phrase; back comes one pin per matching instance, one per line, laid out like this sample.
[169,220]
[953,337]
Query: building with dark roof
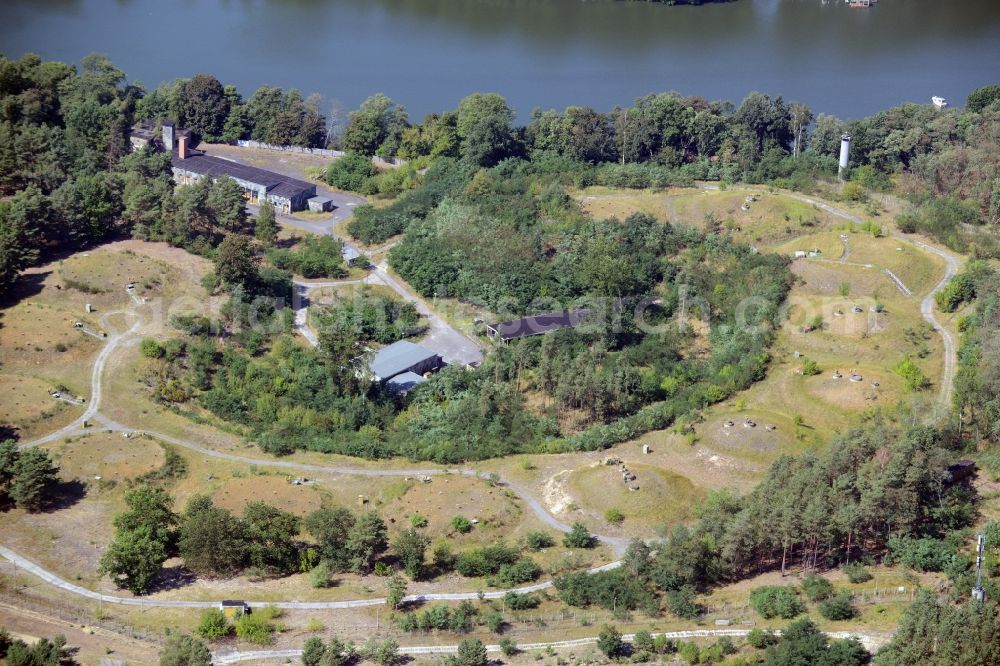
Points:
[189,166]
[537,324]
[404,382]
[403,357]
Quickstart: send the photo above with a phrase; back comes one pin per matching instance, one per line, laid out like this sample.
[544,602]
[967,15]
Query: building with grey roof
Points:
[405,382]
[403,357]
[287,194]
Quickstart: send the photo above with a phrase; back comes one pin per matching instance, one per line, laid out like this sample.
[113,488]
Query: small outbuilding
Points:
[403,357]
[233,607]
[319,204]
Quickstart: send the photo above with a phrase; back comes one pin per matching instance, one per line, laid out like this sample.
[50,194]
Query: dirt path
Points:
[871,641]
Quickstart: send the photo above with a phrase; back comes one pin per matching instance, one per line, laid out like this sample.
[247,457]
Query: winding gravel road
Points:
[952,264]
[92,413]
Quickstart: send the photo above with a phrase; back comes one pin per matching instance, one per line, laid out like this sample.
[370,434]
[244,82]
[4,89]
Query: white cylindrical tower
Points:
[845,154]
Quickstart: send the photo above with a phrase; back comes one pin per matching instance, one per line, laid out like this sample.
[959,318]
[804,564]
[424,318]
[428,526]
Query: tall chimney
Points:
[845,155]
[182,148]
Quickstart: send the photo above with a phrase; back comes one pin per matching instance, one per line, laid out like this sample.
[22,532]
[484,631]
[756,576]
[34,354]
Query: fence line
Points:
[324,152]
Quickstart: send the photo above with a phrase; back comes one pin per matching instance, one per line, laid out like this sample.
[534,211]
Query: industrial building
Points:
[189,166]
[403,357]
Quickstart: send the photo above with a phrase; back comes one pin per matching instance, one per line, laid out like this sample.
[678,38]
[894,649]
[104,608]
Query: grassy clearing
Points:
[663,498]
[109,456]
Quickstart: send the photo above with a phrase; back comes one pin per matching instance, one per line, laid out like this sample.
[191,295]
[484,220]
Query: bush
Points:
[921,554]
[609,641]
[614,516]
[256,628]
[515,601]
[150,348]
[773,601]
[417,521]
[912,375]
[838,607]
[321,575]
[816,587]
[350,172]
[213,624]
[316,257]
[578,537]
[810,368]
[508,647]
[461,524]
[681,603]
[856,573]
[538,540]
[761,639]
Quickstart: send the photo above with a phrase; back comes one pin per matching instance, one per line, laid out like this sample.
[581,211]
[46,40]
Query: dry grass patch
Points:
[663,496]
[28,407]
[108,456]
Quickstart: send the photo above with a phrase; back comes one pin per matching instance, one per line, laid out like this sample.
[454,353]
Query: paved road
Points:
[871,642]
[452,345]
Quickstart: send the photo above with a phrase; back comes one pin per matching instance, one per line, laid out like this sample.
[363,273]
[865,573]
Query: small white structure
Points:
[939,102]
[88,307]
[646,450]
[800,254]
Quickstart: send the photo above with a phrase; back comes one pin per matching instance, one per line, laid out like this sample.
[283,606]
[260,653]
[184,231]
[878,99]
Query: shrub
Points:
[912,375]
[320,575]
[461,524]
[614,516]
[538,540]
[213,624]
[578,537]
[524,570]
[515,601]
[418,521]
[508,647]
[776,601]
[810,368]
[609,641]
[681,603]
[838,607]
[150,348]
[761,639]
[350,172]
[921,554]
[255,628]
[816,587]
[856,573]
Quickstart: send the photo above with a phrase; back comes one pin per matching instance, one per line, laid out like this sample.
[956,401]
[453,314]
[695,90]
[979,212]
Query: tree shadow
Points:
[8,432]
[65,494]
[24,287]
[172,578]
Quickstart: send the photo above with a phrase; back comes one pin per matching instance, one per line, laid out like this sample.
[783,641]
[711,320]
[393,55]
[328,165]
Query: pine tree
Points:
[34,475]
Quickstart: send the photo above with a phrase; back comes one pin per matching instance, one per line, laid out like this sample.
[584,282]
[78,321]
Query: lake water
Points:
[428,54]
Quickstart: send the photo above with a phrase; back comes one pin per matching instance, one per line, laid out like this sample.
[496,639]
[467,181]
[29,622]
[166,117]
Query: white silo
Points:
[845,154]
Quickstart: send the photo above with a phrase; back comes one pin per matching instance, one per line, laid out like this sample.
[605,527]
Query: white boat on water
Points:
[939,102]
